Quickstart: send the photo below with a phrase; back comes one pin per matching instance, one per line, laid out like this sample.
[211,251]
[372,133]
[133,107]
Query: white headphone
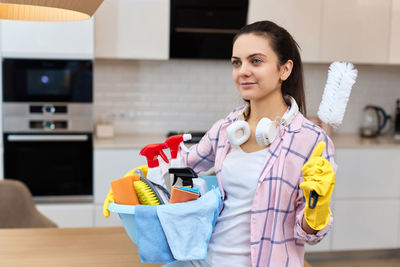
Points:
[239,131]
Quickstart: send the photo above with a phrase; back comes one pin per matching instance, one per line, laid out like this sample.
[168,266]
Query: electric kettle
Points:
[374,119]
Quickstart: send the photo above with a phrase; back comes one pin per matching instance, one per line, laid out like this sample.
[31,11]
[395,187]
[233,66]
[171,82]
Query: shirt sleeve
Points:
[201,157]
[300,234]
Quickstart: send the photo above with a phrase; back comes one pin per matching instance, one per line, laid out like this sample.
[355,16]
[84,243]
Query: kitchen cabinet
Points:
[356,31]
[101,221]
[395,33]
[366,201]
[367,173]
[68,215]
[300,18]
[28,39]
[132,29]
[366,224]
[111,164]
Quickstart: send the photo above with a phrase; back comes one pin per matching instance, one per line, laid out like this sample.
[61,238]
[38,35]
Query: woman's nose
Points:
[244,70]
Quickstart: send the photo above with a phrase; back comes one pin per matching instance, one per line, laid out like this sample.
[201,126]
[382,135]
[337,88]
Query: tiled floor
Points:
[394,262]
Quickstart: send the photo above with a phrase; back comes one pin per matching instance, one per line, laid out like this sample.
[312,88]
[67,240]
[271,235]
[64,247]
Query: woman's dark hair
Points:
[286,48]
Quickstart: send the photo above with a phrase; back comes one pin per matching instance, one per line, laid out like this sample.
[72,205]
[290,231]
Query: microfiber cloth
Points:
[151,241]
[188,226]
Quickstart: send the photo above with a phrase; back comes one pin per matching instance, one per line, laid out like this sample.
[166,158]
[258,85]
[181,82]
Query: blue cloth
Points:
[151,241]
[188,226]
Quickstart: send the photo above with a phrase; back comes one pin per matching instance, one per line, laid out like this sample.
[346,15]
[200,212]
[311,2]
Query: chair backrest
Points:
[17,207]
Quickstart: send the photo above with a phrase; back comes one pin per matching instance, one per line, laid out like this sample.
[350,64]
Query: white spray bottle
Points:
[175,143]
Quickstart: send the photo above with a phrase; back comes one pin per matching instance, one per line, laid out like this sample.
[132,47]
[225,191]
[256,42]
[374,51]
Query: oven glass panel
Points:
[47,80]
[51,168]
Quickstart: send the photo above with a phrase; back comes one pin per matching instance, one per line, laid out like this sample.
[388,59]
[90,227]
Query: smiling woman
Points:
[48,10]
[265,221]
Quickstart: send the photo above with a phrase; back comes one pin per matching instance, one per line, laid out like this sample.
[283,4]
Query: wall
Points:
[160,96]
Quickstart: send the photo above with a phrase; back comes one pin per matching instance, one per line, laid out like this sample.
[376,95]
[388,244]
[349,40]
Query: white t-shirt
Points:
[230,241]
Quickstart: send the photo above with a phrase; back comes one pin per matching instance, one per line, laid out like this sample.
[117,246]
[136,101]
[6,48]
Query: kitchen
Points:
[140,94]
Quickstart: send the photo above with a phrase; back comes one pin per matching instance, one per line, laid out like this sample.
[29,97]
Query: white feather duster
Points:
[341,78]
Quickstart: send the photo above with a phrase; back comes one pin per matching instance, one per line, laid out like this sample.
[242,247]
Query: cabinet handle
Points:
[39,138]
[207,30]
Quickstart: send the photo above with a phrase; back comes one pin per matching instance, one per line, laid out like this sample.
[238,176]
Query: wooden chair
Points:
[17,208]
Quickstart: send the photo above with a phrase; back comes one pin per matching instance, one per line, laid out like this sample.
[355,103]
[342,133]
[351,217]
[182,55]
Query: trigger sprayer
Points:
[174,142]
[154,174]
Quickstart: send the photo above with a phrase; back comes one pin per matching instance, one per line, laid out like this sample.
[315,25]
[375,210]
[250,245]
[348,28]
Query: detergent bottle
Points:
[175,143]
[154,173]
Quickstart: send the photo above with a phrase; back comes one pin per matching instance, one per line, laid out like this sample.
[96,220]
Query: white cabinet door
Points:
[111,164]
[367,173]
[68,215]
[134,29]
[27,39]
[101,221]
[300,18]
[395,33]
[366,224]
[354,30]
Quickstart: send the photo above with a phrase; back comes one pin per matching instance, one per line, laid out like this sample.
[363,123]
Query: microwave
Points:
[47,80]
[205,28]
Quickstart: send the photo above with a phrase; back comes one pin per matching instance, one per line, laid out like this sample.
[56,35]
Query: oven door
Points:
[33,80]
[55,167]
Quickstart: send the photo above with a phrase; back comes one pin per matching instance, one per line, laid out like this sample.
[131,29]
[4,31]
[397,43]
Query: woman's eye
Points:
[235,63]
[256,61]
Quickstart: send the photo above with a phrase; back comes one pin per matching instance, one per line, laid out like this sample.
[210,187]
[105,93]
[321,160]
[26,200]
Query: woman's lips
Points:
[247,85]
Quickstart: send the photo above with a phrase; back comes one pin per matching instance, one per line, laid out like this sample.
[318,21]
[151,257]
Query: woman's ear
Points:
[286,70]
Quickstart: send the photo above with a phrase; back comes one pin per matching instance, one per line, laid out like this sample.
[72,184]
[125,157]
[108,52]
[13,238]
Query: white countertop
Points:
[138,141]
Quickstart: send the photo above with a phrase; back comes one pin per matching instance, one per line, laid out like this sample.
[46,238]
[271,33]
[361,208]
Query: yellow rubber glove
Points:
[143,168]
[107,201]
[110,195]
[319,176]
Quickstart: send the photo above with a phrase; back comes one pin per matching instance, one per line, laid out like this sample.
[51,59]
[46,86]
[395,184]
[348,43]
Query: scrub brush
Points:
[146,193]
[341,78]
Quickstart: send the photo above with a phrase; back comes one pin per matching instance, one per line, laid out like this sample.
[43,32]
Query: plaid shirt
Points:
[277,238]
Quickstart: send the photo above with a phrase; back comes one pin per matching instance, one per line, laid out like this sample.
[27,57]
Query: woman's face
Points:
[256,71]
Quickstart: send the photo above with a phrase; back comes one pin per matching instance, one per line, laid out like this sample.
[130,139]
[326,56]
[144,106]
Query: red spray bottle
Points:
[154,174]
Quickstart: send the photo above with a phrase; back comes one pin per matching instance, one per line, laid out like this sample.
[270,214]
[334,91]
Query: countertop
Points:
[138,141]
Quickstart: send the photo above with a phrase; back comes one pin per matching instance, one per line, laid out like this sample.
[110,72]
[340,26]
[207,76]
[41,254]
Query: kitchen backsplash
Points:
[190,95]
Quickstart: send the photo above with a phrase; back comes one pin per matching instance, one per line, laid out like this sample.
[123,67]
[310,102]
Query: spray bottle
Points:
[154,173]
[174,143]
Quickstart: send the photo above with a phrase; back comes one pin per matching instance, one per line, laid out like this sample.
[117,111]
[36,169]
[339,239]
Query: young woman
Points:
[266,179]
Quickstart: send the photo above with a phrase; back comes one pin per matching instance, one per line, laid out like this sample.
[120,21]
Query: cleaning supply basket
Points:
[127,212]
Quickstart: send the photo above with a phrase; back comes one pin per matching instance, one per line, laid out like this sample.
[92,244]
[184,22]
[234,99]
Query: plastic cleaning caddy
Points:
[127,212]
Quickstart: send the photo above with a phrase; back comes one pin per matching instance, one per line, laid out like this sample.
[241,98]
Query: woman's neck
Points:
[272,107]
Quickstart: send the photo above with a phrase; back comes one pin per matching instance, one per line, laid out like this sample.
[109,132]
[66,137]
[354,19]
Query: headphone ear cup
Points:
[265,132]
[238,132]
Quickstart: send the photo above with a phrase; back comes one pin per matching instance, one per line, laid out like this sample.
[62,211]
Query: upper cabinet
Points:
[395,33]
[132,29]
[359,31]
[27,39]
[356,31]
[300,18]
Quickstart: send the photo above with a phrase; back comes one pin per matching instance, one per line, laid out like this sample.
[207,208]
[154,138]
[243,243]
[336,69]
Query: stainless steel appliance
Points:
[205,28]
[374,120]
[48,127]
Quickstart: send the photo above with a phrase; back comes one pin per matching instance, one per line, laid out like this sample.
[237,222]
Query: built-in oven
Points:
[48,127]
[55,167]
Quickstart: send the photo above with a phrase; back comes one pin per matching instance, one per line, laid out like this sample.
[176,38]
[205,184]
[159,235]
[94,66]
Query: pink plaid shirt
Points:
[277,238]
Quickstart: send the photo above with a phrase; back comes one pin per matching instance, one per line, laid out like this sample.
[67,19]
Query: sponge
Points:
[124,191]
[179,194]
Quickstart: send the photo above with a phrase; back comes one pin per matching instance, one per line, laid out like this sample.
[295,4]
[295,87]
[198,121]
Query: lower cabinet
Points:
[68,215]
[111,164]
[366,224]
[101,221]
